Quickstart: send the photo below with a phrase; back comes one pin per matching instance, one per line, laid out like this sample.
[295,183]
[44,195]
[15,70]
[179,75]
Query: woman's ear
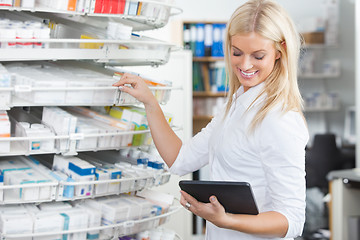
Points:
[278,54]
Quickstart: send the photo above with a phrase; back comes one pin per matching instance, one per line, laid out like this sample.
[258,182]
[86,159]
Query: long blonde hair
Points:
[271,21]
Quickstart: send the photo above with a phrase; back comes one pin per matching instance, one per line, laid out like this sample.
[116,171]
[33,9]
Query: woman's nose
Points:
[245,63]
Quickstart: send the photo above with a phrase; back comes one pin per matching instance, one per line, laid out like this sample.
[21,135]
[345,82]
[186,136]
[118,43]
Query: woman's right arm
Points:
[166,141]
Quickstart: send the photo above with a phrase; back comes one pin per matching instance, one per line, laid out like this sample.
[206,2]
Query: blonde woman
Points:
[259,138]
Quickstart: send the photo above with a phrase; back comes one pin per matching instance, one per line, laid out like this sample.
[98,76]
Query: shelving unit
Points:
[320,101]
[208,84]
[97,53]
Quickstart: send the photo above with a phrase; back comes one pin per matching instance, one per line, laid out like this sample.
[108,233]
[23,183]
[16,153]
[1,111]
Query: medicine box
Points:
[85,127]
[16,223]
[4,132]
[5,82]
[48,222]
[106,96]
[25,129]
[94,220]
[1,184]
[107,173]
[79,96]
[75,219]
[62,122]
[113,212]
[101,188]
[54,206]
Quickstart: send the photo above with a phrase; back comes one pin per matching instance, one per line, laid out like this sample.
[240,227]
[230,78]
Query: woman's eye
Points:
[259,58]
[236,54]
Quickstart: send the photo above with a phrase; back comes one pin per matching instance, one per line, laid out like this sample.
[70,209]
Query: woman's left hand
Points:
[213,212]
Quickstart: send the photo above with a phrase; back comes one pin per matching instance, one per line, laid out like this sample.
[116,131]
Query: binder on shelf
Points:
[187,37]
[204,39]
[205,77]
[208,41]
[192,38]
[197,78]
[218,35]
[217,77]
[200,37]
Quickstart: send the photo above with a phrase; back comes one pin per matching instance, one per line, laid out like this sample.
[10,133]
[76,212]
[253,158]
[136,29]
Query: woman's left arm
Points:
[269,224]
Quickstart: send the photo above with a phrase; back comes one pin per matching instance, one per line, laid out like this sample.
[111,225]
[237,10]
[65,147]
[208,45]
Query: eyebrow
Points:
[261,50]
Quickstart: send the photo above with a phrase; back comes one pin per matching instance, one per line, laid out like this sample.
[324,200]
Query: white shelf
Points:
[318,76]
[121,229]
[55,194]
[119,98]
[17,148]
[138,22]
[321,109]
[139,52]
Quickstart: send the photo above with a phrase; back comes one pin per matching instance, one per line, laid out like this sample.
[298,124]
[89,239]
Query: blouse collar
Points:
[248,97]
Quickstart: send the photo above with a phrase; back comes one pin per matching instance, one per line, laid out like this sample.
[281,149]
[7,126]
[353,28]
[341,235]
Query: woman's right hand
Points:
[166,141]
[138,89]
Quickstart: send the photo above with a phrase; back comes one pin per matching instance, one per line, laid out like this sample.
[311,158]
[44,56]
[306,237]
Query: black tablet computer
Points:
[236,197]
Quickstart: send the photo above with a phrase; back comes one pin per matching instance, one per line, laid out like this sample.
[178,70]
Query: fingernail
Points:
[121,87]
[212,199]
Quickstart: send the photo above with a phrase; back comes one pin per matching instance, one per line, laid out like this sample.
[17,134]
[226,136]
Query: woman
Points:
[261,135]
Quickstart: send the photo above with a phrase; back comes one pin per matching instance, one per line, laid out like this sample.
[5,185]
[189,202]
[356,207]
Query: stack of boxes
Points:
[22,171]
[63,123]
[77,169]
[34,130]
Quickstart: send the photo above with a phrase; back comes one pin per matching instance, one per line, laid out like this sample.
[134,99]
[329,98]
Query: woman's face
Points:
[252,58]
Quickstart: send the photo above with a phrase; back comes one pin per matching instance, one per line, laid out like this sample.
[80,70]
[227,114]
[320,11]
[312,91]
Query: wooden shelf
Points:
[207,59]
[209,94]
[202,118]
[318,46]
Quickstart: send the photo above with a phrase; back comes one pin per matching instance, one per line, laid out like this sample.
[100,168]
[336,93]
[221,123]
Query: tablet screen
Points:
[236,197]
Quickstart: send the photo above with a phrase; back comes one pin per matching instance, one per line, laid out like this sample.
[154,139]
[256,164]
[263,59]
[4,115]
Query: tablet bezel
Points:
[236,197]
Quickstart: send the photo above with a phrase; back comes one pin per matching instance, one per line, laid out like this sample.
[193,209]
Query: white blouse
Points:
[271,159]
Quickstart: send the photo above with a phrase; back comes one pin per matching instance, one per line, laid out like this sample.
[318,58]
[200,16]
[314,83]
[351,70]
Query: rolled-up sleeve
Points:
[283,138]
[194,154]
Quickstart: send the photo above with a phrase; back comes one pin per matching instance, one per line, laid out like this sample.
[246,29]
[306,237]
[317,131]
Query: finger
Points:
[127,79]
[185,203]
[189,198]
[182,201]
[214,201]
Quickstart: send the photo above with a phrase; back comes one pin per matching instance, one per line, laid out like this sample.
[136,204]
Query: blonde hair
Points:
[271,21]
